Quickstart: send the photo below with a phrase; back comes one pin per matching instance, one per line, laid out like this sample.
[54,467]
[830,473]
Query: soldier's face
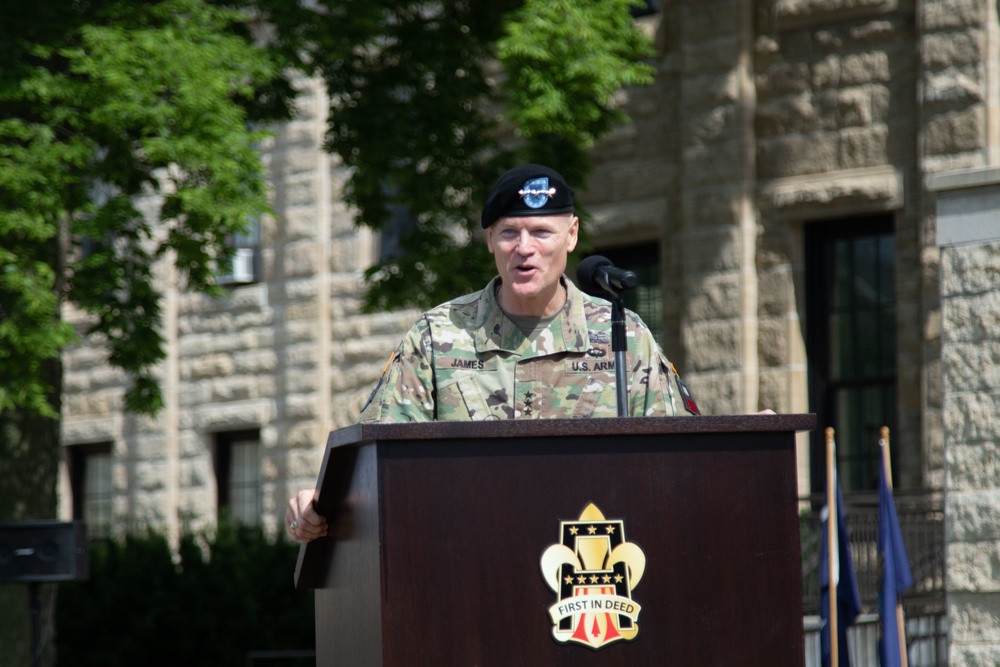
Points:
[531,253]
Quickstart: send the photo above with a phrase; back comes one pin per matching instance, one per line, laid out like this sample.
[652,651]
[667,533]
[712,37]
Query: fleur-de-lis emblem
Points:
[593,571]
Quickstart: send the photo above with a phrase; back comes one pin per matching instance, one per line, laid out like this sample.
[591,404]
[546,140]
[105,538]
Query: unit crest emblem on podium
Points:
[593,571]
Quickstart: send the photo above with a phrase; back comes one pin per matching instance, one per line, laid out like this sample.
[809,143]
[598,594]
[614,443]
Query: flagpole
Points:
[884,442]
[831,544]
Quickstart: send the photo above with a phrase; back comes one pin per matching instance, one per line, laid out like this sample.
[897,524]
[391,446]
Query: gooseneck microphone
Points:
[597,275]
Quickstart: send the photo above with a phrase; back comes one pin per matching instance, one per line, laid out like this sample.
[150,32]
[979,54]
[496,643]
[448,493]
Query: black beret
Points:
[530,189]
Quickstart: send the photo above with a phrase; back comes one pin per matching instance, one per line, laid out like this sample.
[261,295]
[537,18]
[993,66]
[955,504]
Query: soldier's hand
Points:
[302,521]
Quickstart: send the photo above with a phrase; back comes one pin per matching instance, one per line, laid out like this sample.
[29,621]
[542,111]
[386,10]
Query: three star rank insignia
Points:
[593,571]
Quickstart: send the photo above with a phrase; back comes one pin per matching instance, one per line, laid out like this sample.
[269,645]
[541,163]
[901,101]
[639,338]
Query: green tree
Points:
[431,101]
[103,103]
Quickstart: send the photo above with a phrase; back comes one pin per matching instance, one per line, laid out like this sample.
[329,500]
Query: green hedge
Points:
[223,596]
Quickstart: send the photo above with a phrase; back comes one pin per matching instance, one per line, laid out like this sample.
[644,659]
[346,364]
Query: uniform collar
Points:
[496,332]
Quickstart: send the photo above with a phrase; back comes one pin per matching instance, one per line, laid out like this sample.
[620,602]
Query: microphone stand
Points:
[618,343]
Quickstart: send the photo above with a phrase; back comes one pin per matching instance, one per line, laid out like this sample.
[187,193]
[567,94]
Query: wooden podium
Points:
[444,526]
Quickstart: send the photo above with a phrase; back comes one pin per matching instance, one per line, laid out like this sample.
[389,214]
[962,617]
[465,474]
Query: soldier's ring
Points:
[293,526]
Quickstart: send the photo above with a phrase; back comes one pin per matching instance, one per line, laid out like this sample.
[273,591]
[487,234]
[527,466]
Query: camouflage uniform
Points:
[465,360]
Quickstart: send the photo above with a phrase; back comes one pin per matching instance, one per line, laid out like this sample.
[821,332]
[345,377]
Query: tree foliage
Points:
[105,104]
[567,64]
[431,101]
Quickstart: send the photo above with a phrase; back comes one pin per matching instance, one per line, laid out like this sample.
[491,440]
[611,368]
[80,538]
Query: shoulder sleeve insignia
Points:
[686,396]
[381,380]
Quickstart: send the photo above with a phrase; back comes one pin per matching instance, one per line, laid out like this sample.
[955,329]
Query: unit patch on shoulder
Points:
[381,379]
[686,396]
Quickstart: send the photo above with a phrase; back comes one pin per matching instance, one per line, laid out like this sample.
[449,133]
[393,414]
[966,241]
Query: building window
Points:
[646,300]
[91,487]
[244,267]
[646,8]
[400,223]
[851,343]
[237,473]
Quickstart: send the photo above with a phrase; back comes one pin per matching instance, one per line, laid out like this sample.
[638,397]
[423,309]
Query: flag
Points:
[896,575]
[848,595]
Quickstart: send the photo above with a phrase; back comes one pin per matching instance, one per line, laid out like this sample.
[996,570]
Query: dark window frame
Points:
[400,224]
[78,457]
[833,391]
[652,7]
[222,460]
[246,248]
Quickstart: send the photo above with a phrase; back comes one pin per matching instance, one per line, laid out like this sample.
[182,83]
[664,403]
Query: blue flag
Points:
[896,575]
[848,595]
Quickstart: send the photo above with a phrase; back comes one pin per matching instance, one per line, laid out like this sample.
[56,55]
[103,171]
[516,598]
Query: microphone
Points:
[597,275]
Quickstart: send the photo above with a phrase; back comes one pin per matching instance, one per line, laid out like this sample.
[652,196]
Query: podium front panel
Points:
[443,567]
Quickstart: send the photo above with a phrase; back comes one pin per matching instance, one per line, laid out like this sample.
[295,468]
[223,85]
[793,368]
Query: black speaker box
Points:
[43,551]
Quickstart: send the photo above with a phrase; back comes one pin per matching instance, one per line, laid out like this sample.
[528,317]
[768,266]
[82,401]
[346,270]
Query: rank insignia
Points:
[593,571]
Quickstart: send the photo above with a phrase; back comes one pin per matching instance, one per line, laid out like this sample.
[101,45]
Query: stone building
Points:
[968,234]
[779,190]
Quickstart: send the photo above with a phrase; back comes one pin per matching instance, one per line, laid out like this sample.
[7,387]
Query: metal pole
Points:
[619,347]
[831,544]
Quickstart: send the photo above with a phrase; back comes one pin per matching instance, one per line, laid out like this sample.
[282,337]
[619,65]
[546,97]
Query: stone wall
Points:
[969,236]
[837,138]
[765,117]
[289,355]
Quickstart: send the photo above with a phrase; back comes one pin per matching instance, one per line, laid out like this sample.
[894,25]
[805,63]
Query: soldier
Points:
[528,346]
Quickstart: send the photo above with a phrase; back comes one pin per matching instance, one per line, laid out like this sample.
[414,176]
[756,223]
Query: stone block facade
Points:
[968,233]
[288,355]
